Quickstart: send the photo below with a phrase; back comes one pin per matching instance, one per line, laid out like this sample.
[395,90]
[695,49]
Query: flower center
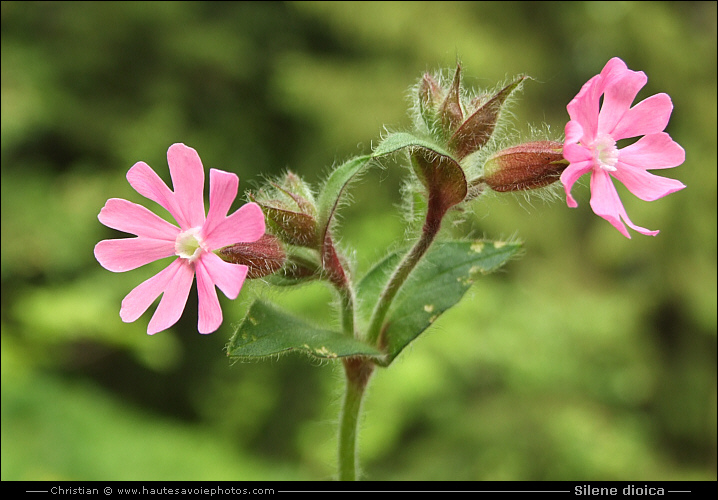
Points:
[605,152]
[189,245]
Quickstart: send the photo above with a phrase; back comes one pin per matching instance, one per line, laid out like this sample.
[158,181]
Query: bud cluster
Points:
[453,124]
[291,215]
[295,249]
[463,125]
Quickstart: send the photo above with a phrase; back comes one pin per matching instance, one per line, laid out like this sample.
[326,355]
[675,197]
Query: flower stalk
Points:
[358,371]
[401,273]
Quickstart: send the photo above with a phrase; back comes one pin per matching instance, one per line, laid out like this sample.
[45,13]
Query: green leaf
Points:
[266,331]
[372,284]
[438,283]
[401,140]
[339,179]
[334,189]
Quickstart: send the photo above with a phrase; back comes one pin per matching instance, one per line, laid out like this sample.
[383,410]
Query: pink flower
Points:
[591,137]
[193,242]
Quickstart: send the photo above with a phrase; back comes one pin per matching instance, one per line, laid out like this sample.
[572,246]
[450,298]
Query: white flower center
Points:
[189,245]
[605,152]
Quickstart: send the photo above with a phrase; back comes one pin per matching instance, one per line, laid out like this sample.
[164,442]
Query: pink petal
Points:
[573,132]
[640,229]
[130,253]
[583,109]
[174,297]
[222,192]
[210,312]
[148,184]
[644,185]
[649,116]
[618,97]
[575,153]
[243,226]
[227,277]
[606,203]
[143,295]
[653,151]
[613,71]
[188,182]
[132,218]
[570,175]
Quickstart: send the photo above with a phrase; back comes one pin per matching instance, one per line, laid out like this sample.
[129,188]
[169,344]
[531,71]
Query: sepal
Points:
[527,166]
[478,128]
[290,210]
[263,257]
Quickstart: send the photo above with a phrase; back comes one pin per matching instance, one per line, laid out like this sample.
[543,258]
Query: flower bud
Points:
[527,166]
[478,128]
[299,191]
[461,122]
[430,97]
[290,210]
[263,257]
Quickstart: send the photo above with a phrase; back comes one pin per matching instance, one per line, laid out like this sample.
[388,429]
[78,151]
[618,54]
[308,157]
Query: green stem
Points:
[357,371]
[347,304]
[401,273]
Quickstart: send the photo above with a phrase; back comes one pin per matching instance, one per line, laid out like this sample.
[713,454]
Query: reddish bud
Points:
[526,166]
[458,122]
[290,210]
[263,257]
[478,128]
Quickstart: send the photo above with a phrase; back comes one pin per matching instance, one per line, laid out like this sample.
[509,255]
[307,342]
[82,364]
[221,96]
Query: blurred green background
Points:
[593,357]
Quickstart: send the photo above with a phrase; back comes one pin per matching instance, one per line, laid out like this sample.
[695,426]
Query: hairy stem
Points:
[401,273]
[357,371]
[336,274]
